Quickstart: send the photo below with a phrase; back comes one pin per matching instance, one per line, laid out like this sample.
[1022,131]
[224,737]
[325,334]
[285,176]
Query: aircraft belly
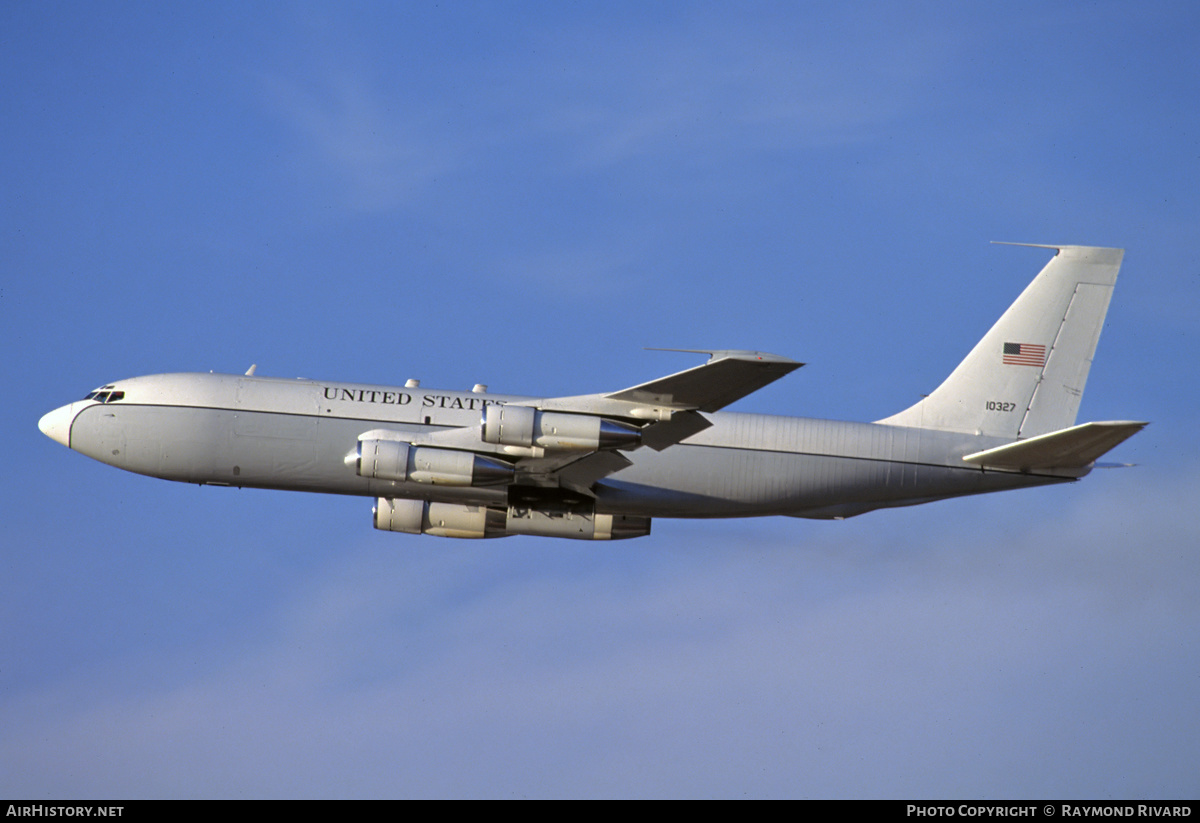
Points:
[700,481]
[297,452]
[777,467]
[200,445]
[250,449]
[270,449]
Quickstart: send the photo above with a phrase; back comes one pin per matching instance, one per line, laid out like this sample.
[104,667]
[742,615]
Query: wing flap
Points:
[574,471]
[681,426]
[581,474]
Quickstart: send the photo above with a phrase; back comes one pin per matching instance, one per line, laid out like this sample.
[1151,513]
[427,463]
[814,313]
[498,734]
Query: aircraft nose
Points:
[57,424]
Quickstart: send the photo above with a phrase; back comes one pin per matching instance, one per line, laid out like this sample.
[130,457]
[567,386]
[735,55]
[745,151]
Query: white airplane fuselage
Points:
[474,464]
[295,435]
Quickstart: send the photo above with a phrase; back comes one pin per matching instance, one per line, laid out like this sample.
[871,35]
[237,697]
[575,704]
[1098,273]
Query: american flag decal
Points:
[1024,354]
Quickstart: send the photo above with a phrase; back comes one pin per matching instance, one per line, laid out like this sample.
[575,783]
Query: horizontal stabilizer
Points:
[1073,448]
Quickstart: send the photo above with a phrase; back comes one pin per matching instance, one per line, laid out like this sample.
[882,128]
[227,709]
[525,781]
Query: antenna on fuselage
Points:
[250,371]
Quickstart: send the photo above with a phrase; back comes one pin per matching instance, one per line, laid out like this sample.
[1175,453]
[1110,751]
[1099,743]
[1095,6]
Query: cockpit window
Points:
[102,395]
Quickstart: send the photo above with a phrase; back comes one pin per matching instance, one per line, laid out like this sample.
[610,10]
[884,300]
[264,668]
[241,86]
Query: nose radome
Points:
[57,424]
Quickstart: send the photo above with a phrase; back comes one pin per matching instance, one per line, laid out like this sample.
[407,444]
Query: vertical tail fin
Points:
[1026,376]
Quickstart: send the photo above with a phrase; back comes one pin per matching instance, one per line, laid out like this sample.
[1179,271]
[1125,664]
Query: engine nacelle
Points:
[575,525]
[507,425]
[458,520]
[394,460]
[440,519]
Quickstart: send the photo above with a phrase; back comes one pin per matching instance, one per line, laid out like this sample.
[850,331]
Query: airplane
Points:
[603,466]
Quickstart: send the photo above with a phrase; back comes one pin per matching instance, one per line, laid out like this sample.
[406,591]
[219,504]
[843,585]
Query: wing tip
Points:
[736,354]
[1099,254]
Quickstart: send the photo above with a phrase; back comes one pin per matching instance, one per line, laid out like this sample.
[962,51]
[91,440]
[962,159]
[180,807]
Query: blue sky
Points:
[525,195]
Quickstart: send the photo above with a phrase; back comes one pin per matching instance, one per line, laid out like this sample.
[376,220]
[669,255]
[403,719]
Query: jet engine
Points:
[394,460]
[458,520]
[440,519]
[507,425]
[576,525]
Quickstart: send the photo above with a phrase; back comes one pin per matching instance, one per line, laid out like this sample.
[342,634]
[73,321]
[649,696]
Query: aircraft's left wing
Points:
[572,442]
[726,377]
[667,411]
[675,402]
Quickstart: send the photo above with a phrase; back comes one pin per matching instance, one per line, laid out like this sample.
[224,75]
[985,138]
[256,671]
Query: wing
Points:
[726,377]
[668,410]
[674,402]
[571,442]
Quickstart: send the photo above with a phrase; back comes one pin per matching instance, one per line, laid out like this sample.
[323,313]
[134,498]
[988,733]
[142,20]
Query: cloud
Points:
[721,82]
[1052,657]
[379,150]
[571,99]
